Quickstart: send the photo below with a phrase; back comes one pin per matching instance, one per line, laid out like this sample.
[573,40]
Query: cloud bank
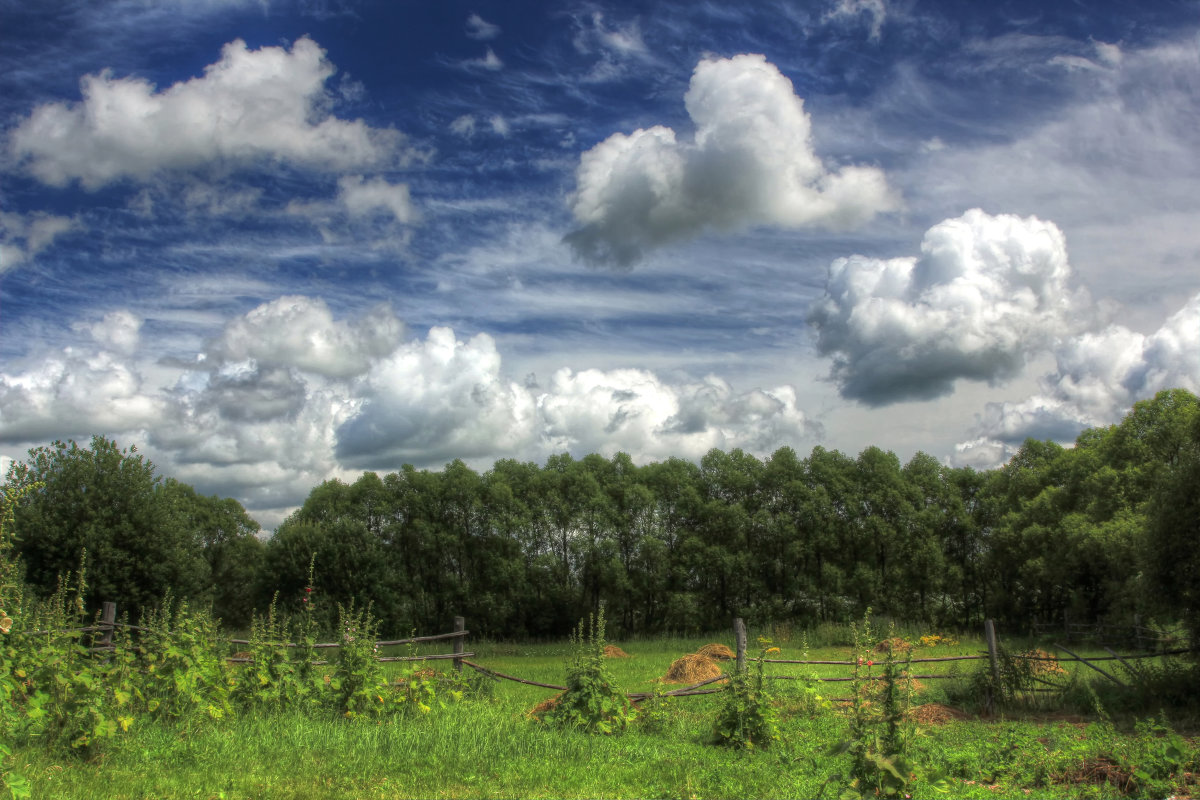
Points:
[985,293]
[750,162]
[286,396]
[1099,375]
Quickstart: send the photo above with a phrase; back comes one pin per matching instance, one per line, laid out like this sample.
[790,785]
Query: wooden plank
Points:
[496,674]
[459,626]
[1093,666]
[739,634]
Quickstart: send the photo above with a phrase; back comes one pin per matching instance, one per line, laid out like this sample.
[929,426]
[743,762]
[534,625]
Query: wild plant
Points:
[11,602]
[655,712]
[69,700]
[880,732]
[185,679]
[357,682]
[268,680]
[592,702]
[746,719]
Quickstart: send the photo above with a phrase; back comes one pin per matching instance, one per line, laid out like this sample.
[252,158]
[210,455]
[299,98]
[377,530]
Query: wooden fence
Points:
[108,624]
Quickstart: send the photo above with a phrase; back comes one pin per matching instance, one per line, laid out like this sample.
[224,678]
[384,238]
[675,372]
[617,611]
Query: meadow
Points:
[478,739]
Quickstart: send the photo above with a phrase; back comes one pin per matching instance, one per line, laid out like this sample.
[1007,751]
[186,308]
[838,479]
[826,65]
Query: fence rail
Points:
[108,624]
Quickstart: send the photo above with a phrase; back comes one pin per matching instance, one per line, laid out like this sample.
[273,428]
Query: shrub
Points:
[746,719]
[592,702]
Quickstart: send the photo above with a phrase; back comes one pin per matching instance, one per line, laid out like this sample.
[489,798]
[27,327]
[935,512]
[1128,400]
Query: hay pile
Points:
[692,668]
[1046,664]
[541,708]
[612,651]
[893,645]
[936,714]
[717,652]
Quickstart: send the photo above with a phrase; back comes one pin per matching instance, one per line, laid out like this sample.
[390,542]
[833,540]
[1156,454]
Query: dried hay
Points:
[717,652]
[936,714]
[1046,664]
[612,651]
[692,668]
[538,711]
[893,645]
[1101,770]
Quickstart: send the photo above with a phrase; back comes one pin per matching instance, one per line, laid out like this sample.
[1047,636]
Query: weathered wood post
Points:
[989,632]
[459,627]
[108,618]
[739,635]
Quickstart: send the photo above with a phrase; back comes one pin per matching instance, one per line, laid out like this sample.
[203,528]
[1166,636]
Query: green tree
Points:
[109,502]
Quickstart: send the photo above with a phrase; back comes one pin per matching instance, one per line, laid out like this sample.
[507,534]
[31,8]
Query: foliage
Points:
[592,703]
[746,719]
[880,733]
[145,537]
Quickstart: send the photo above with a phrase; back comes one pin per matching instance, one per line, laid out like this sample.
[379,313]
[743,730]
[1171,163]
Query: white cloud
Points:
[286,396]
[750,162]
[499,125]
[986,292]
[463,126]
[24,236]
[480,29]
[361,197]
[301,332]
[75,392]
[489,61]
[1099,376]
[251,105]
[874,10]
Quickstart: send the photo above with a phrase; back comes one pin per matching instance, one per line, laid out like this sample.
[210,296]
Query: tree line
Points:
[1104,530]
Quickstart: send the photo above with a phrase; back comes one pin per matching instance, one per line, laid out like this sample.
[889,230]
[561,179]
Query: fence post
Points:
[989,632]
[108,617]
[459,627]
[739,635]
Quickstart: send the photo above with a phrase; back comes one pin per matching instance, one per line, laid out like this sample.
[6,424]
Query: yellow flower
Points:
[6,624]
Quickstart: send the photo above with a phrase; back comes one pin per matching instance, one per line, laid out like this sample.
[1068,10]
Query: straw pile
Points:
[936,714]
[893,645]
[692,668]
[717,652]
[546,705]
[612,651]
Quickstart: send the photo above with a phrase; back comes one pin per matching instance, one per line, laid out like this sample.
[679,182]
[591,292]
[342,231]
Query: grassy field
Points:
[487,746]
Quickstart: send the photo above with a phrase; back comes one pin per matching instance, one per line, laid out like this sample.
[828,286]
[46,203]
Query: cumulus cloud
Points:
[250,105]
[300,332]
[23,236]
[286,396]
[985,293]
[750,162]
[1099,376]
[463,126]
[79,390]
[480,29]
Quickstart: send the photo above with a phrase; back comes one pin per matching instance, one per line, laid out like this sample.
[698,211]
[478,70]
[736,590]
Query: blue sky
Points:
[272,243]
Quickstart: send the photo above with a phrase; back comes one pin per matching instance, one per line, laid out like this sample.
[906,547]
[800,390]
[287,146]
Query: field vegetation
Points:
[600,576]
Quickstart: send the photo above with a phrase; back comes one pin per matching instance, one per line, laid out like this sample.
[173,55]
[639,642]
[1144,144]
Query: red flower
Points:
[870,663]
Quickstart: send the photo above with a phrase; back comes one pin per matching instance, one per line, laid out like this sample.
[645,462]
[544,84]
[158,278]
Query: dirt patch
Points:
[717,652]
[538,711]
[936,714]
[692,668]
[612,651]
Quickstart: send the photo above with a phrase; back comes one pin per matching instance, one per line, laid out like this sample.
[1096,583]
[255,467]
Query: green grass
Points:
[488,747]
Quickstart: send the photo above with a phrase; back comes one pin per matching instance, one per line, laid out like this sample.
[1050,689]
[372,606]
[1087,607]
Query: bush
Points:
[592,702]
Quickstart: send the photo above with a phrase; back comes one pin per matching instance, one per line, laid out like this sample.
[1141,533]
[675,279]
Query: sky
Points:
[274,242]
